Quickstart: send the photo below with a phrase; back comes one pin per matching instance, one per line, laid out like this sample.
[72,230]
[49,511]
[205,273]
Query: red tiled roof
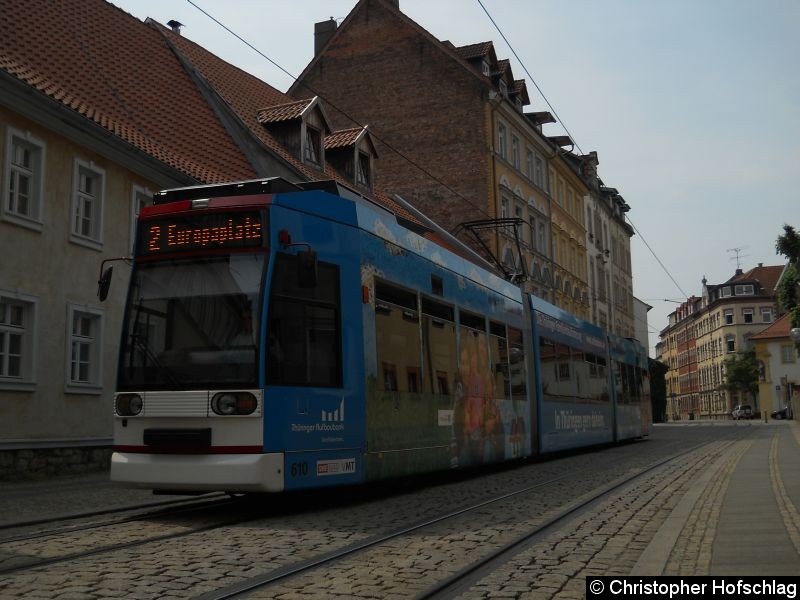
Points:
[342,138]
[249,97]
[779,329]
[123,74]
[111,68]
[471,51]
[768,277]
[283,112]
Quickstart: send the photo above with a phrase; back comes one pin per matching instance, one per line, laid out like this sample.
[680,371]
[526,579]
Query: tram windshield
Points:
[193,324]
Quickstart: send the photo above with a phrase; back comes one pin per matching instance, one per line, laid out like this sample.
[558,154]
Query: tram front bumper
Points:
[199,472]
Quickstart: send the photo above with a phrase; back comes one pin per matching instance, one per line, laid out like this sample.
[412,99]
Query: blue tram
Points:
[279,337]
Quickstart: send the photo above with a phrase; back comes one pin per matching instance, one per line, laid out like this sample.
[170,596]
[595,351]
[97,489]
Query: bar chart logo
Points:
[334,416]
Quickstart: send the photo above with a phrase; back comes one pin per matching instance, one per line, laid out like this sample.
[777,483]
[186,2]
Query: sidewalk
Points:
[741,517]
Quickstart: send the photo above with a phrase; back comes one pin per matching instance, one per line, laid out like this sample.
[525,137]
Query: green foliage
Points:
[741,372]
[787,288]
[788,244]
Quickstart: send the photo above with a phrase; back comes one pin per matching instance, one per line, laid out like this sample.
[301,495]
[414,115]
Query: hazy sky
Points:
[692,105]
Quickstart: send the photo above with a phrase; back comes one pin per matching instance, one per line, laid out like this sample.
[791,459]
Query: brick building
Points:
[455,141]
[705,331]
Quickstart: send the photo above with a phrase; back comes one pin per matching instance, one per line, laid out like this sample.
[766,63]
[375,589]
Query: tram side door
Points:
[314,408]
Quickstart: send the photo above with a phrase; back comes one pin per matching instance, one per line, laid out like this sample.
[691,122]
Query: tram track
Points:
[182,509]
[103,512]
[357,544]
[446,586]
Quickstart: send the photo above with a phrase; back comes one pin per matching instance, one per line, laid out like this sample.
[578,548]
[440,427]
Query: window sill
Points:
[22,221]
[88,389]
[86,242]
[11,385]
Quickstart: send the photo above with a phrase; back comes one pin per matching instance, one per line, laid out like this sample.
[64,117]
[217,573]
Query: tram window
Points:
[498,329]
[412,377]
[397,338]
[581,373]
[438,347]
[472,320]
[395,295]
[389,377]
[304,345]
[498,347]
[563,360]
[549,366]
[517,369]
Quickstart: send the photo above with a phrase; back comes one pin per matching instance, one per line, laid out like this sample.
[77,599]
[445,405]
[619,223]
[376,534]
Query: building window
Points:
[515,151]
[141,197]
[538,173]
[743,290]
[747,313]
[312,152]
[502,141]
[725,292]
[24,176]
[503,87]
[787,354]
[363,176]
[728,316]
[84,357]
[766,315]
[529,164]
[87,205]
[17,314]
[730,344]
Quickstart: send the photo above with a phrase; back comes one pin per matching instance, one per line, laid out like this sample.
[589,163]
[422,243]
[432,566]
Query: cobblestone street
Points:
[673,520]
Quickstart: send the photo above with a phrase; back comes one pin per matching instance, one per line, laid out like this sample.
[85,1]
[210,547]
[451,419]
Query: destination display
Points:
[201,231]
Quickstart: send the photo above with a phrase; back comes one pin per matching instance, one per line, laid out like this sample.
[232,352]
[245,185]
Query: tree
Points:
[741,373]
[788,244]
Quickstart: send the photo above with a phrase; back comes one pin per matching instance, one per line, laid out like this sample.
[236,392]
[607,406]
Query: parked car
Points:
[742,411]
[783,413]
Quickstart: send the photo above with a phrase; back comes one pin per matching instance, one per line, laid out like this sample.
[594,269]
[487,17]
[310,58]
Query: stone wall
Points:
[36,463]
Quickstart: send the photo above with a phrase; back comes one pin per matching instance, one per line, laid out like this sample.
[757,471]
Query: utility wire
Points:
[533,81]
[541,93]
[639,233]
[344,113]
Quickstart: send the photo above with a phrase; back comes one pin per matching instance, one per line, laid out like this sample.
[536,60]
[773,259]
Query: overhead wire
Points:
[401,154]
[563,125]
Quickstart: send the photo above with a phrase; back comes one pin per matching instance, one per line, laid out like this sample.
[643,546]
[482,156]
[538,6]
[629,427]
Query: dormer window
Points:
[299,127]
[313,146]
[352,154]
[503,87]
[485,68]
[363,175]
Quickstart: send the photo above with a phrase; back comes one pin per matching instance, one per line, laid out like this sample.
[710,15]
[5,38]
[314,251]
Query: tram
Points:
[286,336]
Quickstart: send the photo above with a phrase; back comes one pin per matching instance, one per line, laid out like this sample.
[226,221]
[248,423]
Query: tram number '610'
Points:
[299,469]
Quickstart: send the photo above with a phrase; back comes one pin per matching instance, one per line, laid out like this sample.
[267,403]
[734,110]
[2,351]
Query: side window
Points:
[498,350]
[304,327]
[439,347]
[517,373]
[397,339]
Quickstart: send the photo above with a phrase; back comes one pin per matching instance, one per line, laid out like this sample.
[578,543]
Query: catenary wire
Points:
[344,113]
[401,154]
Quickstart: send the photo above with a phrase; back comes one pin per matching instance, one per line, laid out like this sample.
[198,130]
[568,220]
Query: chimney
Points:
[739,272]
[760,264]
[323,32]
[175,26]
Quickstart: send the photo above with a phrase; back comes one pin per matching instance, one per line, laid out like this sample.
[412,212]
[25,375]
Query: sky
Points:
[692,105]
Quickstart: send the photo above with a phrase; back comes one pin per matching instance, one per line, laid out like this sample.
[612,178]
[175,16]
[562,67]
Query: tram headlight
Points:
[234,403]
[128,405]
